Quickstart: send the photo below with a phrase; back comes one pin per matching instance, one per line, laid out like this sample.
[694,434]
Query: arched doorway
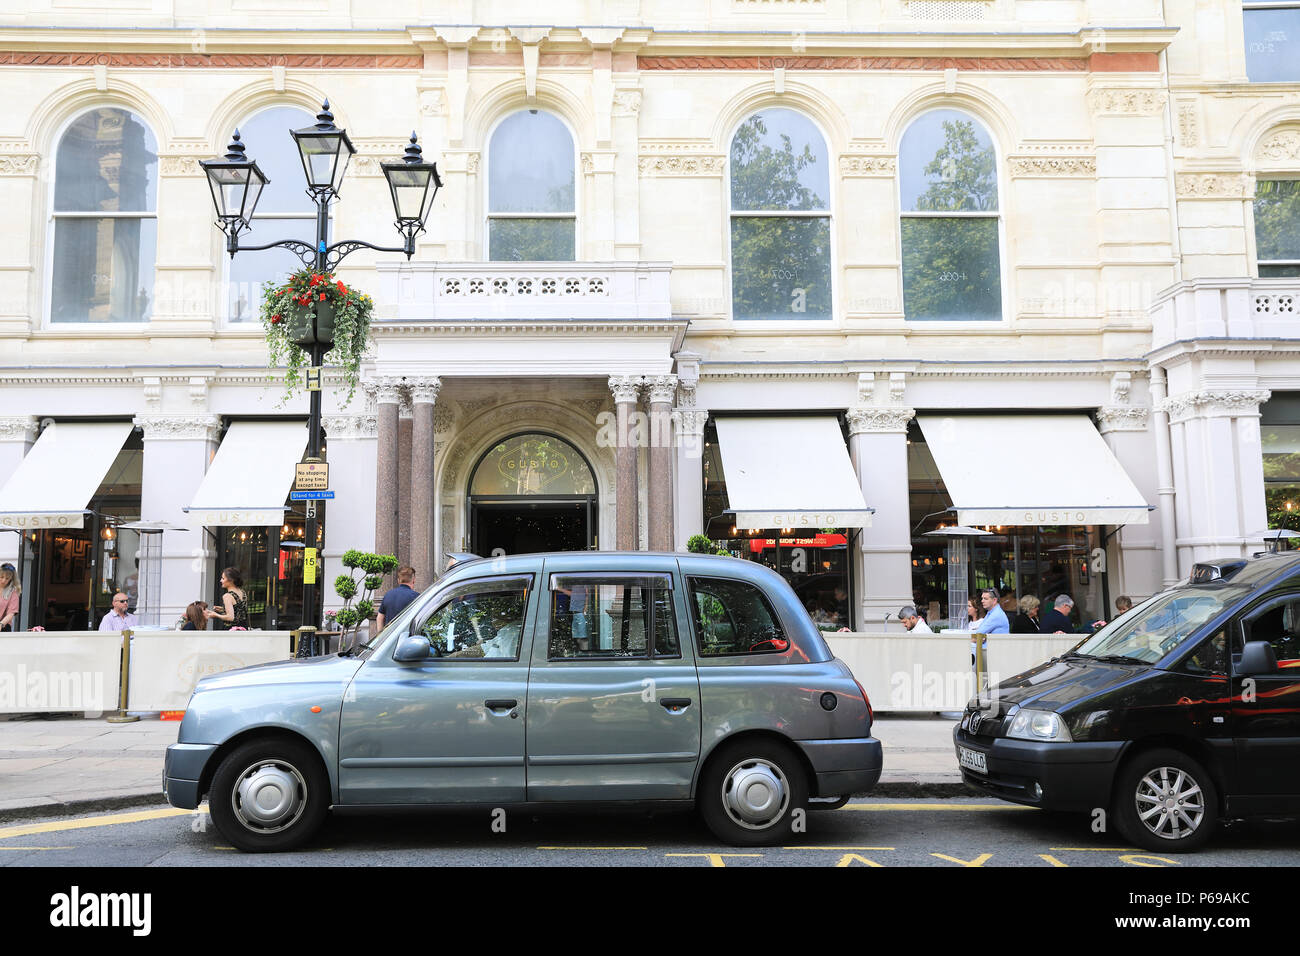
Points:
[532,492]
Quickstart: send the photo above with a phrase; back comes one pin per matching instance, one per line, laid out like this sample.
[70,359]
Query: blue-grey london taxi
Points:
[539,680]
[1183,711]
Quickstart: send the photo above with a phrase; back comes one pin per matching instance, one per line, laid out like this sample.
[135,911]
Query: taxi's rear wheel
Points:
[752,792]
[1165,800]
[269,795]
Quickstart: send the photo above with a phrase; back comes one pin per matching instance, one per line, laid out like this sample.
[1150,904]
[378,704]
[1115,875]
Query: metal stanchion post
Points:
[306,641]
[123,688]
[981,663]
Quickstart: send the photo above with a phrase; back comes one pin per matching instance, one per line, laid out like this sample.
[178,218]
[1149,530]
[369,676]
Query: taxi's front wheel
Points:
[269,795]
[1165,800]
[752,793]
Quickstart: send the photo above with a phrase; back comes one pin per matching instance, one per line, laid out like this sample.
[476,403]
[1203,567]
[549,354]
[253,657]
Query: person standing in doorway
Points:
[11,593]
[234,600]
[396,599]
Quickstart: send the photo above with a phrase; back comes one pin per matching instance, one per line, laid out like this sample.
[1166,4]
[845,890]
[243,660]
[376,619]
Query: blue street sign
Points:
[309,495]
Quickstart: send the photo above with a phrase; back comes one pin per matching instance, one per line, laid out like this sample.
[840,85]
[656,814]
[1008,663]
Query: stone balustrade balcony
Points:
[469,291]
[1228,308]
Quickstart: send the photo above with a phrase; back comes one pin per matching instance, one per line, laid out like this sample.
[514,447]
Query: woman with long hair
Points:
[195,619]
[234,600]
[10,594]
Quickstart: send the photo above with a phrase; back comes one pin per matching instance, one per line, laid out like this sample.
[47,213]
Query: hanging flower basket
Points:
[315,308]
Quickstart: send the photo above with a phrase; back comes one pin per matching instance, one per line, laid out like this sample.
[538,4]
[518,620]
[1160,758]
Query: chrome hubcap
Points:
[755,794]
[269,796]
[1170,803]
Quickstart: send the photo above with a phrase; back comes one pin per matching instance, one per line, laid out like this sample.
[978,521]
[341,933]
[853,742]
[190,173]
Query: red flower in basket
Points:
[322,296]
[275,320]
[341,289]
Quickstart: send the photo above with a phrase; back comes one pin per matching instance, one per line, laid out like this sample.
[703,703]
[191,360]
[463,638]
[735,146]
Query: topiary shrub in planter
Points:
[349,618]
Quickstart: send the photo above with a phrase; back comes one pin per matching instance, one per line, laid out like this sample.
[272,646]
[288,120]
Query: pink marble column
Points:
[659,466]
[387,396]
[404,433]
[625,389]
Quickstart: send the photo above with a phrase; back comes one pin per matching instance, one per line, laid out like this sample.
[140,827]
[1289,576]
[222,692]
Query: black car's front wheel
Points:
[269,795]
[1165,800]
[752,792]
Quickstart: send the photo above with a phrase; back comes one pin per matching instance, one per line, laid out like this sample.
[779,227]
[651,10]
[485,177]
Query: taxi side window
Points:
[1210,657]
[602,619]
[732,617]
[1278,623]
[483,620]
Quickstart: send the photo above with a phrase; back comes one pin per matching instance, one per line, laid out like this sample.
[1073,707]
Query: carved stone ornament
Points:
[18,428]
[1120,385]
[1123,418]
[365,166]
[443,418]
[179,427]
[690,421]
[627,102]
[24,164]
[686,392]
[588,164]
[1280,146]
[471,164]
[868,166]
[1187,125]
[866,388]
[1051,166]
[1214,186]
[432,102]
[387,389]
[625,387]
[683,165]
[897,387]
[1134,102]
[178,165]
[424,390]
[662,389]
[879,419]
[1212,403]
[350,427]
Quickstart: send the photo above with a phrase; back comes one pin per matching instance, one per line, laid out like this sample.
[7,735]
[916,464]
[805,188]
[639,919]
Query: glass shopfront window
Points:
[270,561]
[815,562]
[1279,426]
[1018,561]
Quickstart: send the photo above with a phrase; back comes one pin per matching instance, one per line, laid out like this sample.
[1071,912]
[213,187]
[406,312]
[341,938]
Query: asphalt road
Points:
[934,833]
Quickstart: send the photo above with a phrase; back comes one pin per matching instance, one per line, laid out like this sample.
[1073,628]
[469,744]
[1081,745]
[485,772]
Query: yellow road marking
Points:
[978,861]
[593,848]
[716,859]
[37,847]
[1052,860]
[934,806]
[848,859]
[837,847]
[1092,849]
[106,821]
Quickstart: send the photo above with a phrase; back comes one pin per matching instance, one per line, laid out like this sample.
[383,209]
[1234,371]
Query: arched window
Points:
[1277,227]
[780,219]
[531,204]
[105,226]
[284,210]
[949,183]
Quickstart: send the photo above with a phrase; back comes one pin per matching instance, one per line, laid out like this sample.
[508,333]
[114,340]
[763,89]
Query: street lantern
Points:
[325,150]
[413,184]
[236,185]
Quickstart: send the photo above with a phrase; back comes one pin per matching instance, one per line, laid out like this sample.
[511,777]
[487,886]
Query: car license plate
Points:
[972,760]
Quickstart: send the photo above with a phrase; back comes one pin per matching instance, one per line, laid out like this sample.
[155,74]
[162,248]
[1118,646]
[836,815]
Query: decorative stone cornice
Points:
[227,61]
[179,427]
[18,428]
[868,166]
[350,427]
[1122,418]
[424,390]
[1209,403]
[690,422]
[387,389]
[682,165]
[178,166]
[876,418]
[1214,186]
[1132,102]
[662,389]
[19,164]
[625,387]
[1039,167]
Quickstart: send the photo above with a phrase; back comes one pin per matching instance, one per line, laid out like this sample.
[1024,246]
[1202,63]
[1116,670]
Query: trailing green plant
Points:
[349,618]
[291,306]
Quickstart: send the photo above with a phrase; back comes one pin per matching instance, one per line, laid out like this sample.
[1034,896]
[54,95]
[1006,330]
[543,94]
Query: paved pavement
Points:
[73,765]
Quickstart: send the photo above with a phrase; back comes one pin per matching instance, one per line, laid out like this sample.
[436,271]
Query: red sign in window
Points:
[819,540]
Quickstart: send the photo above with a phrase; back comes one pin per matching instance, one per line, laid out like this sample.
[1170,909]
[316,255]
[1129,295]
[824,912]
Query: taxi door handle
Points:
[675,704]
[502,707]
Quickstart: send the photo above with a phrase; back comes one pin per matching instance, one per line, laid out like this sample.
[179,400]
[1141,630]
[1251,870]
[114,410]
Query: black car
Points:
[1181,712]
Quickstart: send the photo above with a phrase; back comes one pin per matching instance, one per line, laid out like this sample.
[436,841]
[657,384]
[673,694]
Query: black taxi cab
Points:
[1180,713]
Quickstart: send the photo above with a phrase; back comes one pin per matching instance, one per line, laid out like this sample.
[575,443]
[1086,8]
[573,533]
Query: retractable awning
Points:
[57,478]
[790,473]
[251,475]
[1030,470]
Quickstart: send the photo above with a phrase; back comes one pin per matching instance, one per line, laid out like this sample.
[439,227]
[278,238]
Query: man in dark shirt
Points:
[397,598]
[1057,620]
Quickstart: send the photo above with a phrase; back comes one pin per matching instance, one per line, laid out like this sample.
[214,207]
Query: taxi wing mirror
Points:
[1257,657]
[412,648]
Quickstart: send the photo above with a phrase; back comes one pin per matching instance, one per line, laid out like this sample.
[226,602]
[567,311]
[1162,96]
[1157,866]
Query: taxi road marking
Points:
[105,821]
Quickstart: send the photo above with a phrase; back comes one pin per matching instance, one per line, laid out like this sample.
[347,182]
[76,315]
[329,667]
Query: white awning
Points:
[251,475]
[790,473]
[1030,470]
[58,477]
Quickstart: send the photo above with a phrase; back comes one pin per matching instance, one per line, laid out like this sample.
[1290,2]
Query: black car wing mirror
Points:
[413,647]
[1257,658]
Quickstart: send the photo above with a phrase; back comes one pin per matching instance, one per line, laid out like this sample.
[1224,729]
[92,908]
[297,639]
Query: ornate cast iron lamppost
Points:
[237,183]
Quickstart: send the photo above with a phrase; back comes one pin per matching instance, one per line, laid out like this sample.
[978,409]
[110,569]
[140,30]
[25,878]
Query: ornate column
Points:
[177,450]
[625,389]
[387,392]
[1133,567]
[16,436]
[405,428]
[1165,479]
[688,426]
[659,467]
[353,443]
[424,501]
[878,449]
[1219,469]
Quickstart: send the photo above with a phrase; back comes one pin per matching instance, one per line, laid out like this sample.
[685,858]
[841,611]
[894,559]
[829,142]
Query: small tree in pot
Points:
[373,567]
